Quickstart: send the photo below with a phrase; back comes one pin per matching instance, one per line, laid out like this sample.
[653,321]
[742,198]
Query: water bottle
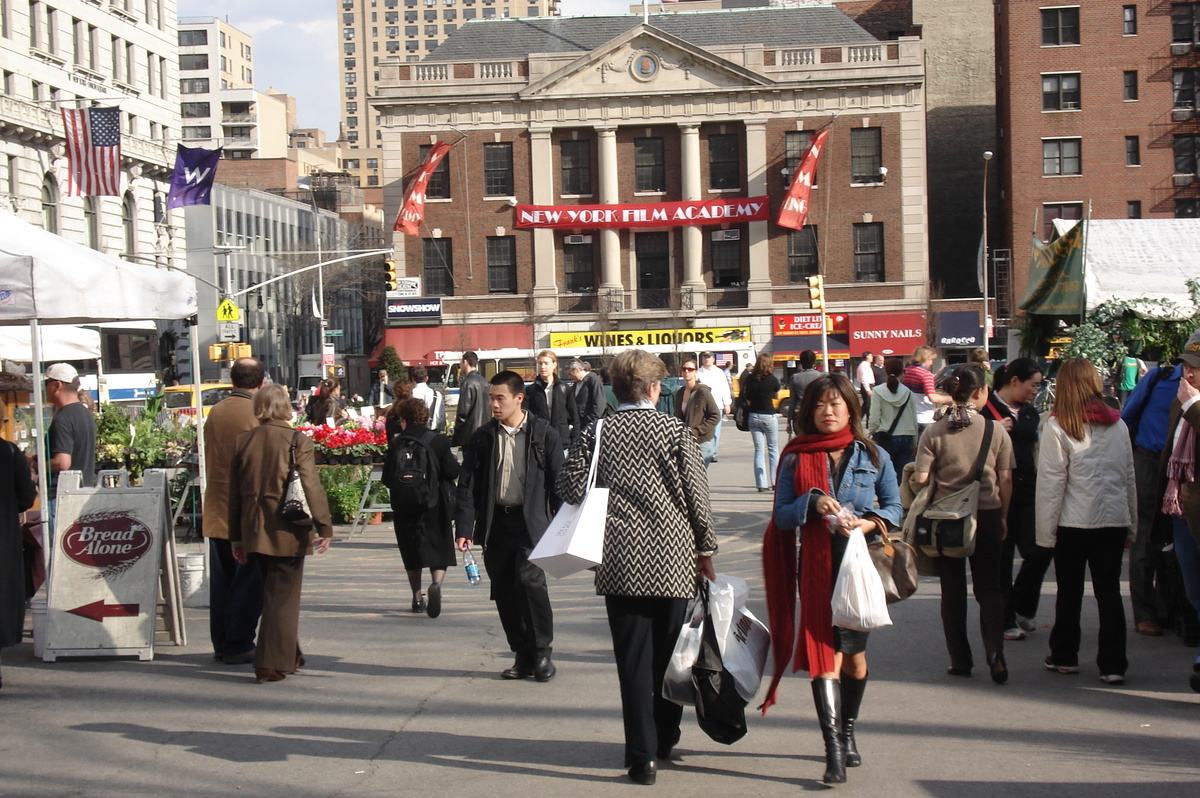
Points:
[472,567]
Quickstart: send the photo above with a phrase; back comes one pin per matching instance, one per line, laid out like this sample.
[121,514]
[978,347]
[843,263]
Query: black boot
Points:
[852,694]
[827,695]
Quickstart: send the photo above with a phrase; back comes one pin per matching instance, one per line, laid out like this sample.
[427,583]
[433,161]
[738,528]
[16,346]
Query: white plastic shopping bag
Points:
[743,639]
[677,683]
[859,601]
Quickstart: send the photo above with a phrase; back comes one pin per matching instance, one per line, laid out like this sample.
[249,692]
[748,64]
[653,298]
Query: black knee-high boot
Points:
[827,696]
[852,695]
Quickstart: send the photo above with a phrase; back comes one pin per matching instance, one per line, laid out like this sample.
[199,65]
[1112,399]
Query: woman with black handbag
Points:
[950,453]
[892,420]
[831,463]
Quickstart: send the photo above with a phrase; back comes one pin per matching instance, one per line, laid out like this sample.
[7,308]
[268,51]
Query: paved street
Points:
[393,703]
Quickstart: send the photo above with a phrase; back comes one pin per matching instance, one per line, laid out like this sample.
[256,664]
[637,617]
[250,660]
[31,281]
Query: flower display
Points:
[368,441]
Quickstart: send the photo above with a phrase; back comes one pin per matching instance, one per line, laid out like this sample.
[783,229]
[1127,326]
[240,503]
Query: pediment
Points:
[644,59]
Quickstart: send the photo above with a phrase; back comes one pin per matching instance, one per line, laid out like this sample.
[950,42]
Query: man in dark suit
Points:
[506,499]
[236,592]
[473,404]
[588,391]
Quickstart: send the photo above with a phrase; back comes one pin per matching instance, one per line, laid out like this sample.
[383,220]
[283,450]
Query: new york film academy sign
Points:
[654,214]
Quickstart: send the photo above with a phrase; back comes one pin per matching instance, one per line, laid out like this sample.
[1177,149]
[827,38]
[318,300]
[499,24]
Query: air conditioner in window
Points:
[1070,106]
[1182,114]
[578,239]
[1184,180]
[1181,49]
[727,235]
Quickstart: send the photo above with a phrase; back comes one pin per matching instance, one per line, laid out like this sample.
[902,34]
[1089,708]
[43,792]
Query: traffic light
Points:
[216,352]
[828,325]
[392,280]
[238,351]
[816,292]
[335,372]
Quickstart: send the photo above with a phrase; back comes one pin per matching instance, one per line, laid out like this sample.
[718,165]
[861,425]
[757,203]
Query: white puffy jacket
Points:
[1085,484]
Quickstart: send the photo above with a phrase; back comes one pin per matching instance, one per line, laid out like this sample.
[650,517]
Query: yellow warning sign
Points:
[227,311]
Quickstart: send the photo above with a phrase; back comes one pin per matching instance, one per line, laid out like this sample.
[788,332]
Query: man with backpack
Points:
[506,499]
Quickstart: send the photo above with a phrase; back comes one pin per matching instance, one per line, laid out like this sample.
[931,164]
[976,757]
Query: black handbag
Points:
[720,709]
[294,506]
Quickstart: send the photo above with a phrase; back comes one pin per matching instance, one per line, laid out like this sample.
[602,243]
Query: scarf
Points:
[814,643]
[1180,468]
[1096,412]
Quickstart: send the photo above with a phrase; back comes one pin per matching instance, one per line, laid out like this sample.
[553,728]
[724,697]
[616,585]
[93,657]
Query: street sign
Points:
[335,333]
[327,359]
[227,311]
[228,331]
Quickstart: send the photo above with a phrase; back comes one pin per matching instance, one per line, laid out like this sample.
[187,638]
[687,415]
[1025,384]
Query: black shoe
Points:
[544,670]
[664,750]
[1194,680]
[418,604]
[827,695]
[644,773]
[519,670]
[245,658]
[433,607]
[999,669]
[852,695]
[953,671]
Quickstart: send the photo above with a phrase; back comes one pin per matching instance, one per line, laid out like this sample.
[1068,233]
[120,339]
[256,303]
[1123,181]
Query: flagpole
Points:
[987,314]
[1083,264]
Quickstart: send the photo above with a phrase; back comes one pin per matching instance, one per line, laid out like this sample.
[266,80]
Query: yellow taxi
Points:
[181,399]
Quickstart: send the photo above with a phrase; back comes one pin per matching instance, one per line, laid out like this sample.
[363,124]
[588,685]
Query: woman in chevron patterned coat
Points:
[658,537]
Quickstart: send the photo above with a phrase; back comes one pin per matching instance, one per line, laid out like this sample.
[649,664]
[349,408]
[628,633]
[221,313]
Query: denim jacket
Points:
[872,489]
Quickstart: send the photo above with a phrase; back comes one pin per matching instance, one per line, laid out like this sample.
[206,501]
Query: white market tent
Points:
[46,279]
[58,342]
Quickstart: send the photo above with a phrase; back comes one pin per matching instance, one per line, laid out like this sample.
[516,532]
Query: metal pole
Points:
[987,316]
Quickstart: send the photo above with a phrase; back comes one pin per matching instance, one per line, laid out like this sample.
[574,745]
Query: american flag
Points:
[93,151]
[723,359]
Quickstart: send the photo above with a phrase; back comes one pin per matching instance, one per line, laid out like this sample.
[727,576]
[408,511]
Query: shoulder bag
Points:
[884,439]
[294,506]
[896,562]
[946,527]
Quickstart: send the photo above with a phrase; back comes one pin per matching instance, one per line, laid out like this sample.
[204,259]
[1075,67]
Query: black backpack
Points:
[411,472]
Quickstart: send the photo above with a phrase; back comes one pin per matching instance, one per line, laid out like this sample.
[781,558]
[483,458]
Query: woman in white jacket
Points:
[1086,509]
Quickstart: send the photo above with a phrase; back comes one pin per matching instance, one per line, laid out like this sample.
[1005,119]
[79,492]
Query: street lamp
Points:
[987,316]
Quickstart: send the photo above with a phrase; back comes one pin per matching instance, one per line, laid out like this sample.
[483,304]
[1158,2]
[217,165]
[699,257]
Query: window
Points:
[411,30]
[348,33]
[349,63]
[1129,20]
[1187,149]
[193,86]
[1060,26]
[372,180]
[352,108]
[866,154]
[724,161]
[439,267]
[1059,210]
[1131,84]
[1187,209]
[1061,157]
[1185,22]
[868,252]
[1060,92]
[351,92]
[350,163]
[391,31]
[649,166]
[410,16]
[91,222]
[439,182]
[347,19]
[392,47]
[194,61]
[431,30]
[795,142]
[128,351]
[502,264]
[431,45]
[578,268]
[1133,209]
[197,132]
[803,261]
[348,48]
[372,163]
[726,264]
[576,167]
[497,170]
[469,13]
[49,205]
[1133,151]
[1184,82]
[195,110]
[193,38]
[431,16]
[450,15]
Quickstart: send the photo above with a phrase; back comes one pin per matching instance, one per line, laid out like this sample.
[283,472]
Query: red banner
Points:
[656,214]
[413,211]
[795,205]
[887,333]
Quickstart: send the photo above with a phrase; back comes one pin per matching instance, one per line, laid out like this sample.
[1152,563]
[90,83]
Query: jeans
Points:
[1099,551]
[708,450]
[1187,551]
[764,431]
[716,438]
[902,451]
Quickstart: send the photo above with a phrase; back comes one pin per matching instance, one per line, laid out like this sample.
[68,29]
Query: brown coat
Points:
[1189,492]
[260,468]
[228,419]
[702,414]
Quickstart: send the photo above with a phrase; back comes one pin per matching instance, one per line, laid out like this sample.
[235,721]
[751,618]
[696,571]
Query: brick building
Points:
[692,107]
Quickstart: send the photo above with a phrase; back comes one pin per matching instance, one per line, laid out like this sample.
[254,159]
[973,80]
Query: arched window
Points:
[91,220]
[49,205]
[129,223]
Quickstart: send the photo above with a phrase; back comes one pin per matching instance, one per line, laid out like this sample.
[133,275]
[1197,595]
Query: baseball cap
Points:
[706,354]
[62,372]
[1191,351]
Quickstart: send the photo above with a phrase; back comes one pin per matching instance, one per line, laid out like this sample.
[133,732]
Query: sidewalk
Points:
[393,703]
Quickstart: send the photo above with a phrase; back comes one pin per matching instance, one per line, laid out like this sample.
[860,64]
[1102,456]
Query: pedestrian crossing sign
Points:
[227,311]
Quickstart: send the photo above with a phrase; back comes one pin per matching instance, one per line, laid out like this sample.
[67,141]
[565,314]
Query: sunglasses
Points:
[689,368]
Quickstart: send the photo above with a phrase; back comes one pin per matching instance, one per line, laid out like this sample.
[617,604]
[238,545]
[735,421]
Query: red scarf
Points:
[814,644]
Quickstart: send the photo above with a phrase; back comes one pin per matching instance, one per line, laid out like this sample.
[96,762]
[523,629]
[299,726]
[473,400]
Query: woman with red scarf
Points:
[830,465]
[1086,510]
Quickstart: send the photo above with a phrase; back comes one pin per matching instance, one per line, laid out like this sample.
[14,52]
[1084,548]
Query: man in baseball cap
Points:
[73,430]
[1191,351]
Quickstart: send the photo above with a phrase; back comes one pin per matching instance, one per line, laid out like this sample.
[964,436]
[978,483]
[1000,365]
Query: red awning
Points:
[418,346]
[891,334]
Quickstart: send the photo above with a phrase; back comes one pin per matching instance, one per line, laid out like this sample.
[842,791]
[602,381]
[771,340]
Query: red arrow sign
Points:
[98,611]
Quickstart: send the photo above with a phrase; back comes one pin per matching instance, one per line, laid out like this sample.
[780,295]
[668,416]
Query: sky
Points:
[296,46]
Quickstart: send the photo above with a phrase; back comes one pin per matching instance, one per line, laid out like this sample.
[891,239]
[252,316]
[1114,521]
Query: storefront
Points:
[422,346]
[959,329]
[796,333]
[887,334]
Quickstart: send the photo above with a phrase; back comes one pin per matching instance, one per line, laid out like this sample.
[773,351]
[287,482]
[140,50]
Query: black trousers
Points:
[518,588]
[1101,552]
[644,630]
[1021,595]
[985,581]
[1145,553]
[235,600]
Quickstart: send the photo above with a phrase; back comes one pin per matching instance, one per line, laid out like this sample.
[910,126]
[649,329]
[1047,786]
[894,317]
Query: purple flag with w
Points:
[191,182]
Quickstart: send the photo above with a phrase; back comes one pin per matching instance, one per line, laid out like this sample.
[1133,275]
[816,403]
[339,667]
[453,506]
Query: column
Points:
[758,283]
[693,236]
[541,165]
[610,240]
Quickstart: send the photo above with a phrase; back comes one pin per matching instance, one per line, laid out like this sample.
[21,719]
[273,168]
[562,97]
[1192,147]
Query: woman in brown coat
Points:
[259,533]
[696,408]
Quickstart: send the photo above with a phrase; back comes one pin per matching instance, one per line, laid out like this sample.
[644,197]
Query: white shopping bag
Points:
[574,541]
[677,683]
[859,601]
[743,640]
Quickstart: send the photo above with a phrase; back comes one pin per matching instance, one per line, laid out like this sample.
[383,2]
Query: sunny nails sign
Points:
[657,214]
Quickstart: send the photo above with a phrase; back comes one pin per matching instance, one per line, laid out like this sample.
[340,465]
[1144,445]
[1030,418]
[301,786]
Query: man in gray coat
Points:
[474,408]
[236,592]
